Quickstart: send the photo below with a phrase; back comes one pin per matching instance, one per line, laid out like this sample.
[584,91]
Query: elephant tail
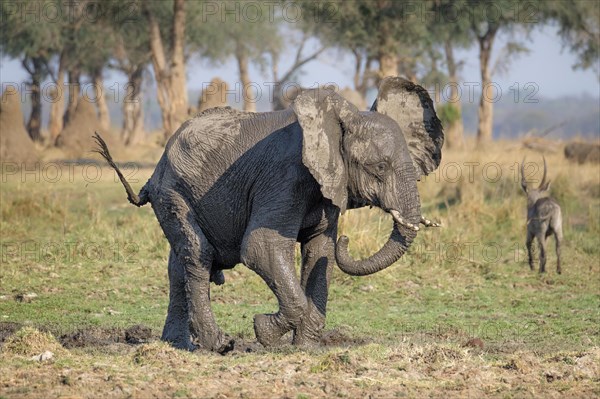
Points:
[135,199]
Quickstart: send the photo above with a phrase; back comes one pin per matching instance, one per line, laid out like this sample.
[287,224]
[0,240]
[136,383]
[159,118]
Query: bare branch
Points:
[299,64]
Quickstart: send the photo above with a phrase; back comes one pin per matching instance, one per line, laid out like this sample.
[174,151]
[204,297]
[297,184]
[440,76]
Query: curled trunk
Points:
[400,239]
[404,201]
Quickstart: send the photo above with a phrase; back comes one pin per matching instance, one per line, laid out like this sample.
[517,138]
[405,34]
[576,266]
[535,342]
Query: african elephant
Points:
[234,187]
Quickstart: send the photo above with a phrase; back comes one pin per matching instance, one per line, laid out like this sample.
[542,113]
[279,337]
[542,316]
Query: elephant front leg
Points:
[317,264]
[271,256]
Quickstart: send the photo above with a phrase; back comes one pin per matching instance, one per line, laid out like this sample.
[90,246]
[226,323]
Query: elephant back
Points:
[207,145]
[204,139]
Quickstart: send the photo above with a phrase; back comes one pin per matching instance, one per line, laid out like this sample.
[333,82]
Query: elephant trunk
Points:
[404,206]
[400,239]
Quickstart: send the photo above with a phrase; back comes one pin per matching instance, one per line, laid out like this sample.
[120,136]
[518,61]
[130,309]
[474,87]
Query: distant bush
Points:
[448,114]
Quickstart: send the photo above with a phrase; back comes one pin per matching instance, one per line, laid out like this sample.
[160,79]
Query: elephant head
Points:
[372,158]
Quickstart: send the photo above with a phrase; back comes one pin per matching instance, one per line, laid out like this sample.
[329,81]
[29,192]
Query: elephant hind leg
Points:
[177,330]
[193,256]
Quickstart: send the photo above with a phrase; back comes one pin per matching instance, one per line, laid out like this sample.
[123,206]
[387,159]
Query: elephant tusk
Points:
[398,219]
[429,223]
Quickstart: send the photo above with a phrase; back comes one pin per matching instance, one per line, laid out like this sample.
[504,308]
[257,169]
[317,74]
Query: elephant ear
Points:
[321,114]
[412,109]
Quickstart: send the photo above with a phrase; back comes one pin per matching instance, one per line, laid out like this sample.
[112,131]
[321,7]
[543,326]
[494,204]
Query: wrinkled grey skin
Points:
[544,218]
[235,187]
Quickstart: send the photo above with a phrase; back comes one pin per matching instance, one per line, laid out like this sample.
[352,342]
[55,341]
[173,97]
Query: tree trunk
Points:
[359,77]
[133,116]
[274,65]
[34,125]
[455,131]
[242,59]
[388,65]
[177,73]
[103,114]
[406,67]
[57,108]
[170,78]
[73,90]
[486,107]
[159,65]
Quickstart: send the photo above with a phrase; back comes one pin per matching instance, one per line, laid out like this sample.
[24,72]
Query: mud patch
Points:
[138,334]
[338,337]
[245,346]
[97,337]
[7,329]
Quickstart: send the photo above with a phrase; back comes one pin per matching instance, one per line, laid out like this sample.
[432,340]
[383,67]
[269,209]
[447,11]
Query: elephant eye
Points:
[381,167]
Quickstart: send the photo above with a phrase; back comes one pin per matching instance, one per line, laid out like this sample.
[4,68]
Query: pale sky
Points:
[546,66]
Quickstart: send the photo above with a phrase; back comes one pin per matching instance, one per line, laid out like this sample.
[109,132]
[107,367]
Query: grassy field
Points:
[83,275]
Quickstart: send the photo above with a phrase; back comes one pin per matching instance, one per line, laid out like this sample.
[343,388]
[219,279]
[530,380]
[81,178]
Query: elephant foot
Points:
[227,346]
[209,337]
[220,343]
[268,331]
[179,343]
[309,331]
[176,332]
[306,337]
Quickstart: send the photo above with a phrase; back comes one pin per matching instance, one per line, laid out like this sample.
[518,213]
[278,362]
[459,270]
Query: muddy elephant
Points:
[234,187]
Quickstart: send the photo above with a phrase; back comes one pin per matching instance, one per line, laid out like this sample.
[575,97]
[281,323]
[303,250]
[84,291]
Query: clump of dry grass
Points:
[29,341]
[334,361]
[158,353]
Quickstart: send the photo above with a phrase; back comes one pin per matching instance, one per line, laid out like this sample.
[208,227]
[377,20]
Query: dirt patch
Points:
[245,346]
[7,329]
[330,338]
[138,334]
[95,337]
[338,337]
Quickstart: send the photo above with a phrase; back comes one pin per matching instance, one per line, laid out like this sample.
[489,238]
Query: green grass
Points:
[94,260]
